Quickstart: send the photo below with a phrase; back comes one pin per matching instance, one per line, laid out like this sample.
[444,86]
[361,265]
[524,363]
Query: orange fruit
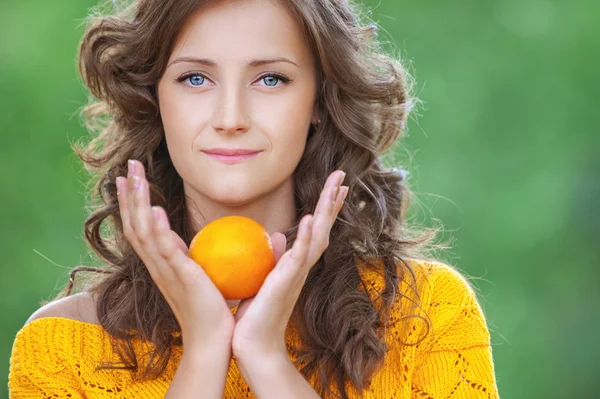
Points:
[236,253]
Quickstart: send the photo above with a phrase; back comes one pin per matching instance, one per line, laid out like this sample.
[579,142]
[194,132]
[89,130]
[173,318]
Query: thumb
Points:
[279,243]
[179,242]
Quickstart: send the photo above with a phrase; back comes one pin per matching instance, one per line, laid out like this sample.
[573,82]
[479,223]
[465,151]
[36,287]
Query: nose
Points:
[231,115]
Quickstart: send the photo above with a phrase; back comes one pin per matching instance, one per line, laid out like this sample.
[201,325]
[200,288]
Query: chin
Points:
[232,202]
[229,198]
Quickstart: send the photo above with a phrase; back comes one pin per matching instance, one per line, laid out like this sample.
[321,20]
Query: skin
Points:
[235,105]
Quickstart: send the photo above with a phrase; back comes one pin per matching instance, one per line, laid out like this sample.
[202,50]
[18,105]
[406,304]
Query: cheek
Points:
[176,114]
[287,147]
[285,117]
[181,123]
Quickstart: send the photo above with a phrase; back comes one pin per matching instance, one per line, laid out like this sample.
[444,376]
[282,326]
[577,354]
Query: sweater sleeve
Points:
[37,368]
[455,359]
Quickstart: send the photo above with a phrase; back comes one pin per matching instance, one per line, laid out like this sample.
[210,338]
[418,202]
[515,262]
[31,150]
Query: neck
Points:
[275,210]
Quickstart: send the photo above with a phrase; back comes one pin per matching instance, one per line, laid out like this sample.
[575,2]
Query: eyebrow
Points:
[210,63]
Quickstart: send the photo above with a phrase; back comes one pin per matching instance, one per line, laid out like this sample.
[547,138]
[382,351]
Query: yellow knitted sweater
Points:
[55,357]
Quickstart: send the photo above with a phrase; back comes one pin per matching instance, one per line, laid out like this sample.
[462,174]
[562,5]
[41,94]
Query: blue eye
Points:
[271,79]
[196,80]
[274,78]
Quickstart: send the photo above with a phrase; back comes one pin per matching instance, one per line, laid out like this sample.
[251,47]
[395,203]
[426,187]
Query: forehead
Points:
[241,30]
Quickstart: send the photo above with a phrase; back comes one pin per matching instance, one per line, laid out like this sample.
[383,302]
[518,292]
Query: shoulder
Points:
[445,283]
[434,283]
[53,349]
[449,291]
[79,307]
[451,306]
[58,333]
[422,280]
[433,299]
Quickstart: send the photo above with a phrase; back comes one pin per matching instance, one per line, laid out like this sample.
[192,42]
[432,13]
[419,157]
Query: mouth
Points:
[230,159]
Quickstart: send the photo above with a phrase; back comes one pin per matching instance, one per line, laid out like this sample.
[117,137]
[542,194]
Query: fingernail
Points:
[342,177]
[136,183]
[345,188]
[130,168]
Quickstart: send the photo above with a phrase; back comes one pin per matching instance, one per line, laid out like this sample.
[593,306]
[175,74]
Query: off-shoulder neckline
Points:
[95,326]
[69,322]
[46,319]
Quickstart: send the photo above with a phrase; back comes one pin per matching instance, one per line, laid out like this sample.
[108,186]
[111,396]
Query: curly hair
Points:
[363,101]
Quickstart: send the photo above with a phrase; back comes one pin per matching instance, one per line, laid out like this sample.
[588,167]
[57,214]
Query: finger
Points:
[140,219]
[180,243]
[178,272]
[128,193]
[283,277]
[328,195]
[283,284]
[279,243]
[171,251]
[302,243]
[340,201]
[321,229]
[122,197]
[324,216]
[166,246]
[169,246]
[139,206]
[296,265]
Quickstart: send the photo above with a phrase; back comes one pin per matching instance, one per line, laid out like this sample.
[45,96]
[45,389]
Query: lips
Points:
[229,156]
[230,151]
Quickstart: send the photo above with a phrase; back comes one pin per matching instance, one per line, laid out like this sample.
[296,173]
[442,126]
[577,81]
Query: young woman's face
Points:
[222,88]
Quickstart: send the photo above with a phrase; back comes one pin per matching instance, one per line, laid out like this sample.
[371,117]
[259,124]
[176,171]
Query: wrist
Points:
[275,373]
[201,353]
[262,363]
[249,351]
[218,340]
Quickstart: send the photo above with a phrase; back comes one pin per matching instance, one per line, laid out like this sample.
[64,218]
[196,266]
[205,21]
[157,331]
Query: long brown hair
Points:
[363,102]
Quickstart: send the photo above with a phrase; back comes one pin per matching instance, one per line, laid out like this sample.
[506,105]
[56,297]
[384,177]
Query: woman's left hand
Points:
[262,319]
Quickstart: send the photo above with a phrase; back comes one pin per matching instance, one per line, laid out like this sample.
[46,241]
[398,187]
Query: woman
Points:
[354,305]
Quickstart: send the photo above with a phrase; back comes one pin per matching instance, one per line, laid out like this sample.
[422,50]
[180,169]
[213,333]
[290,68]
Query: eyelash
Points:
[284,79]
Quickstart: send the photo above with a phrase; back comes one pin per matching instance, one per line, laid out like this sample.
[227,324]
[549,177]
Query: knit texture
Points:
[56,357]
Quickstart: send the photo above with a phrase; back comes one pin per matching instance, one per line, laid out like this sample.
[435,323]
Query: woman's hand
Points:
[201,310]
[261,320]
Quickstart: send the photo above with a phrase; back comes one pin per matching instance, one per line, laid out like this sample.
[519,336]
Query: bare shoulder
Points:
[81,307]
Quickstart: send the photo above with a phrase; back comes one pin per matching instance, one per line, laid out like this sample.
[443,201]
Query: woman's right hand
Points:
[200,308]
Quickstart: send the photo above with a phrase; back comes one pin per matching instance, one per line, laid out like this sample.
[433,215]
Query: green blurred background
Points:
[504,154]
